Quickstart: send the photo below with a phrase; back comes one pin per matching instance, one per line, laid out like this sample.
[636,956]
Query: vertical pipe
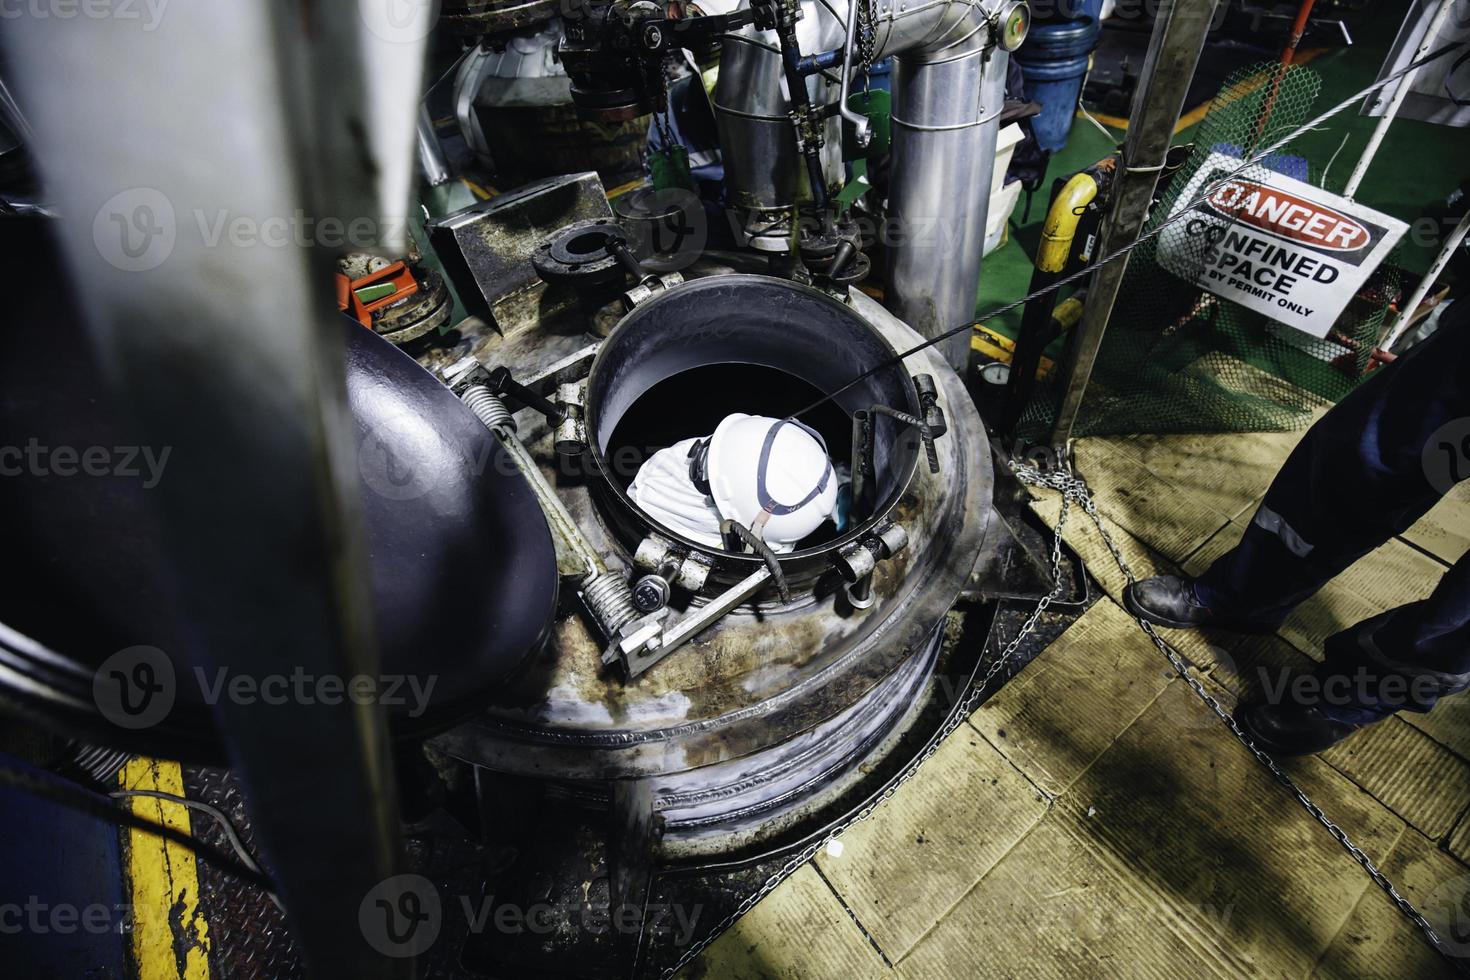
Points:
[228,352]
[1401,323]
[1400,90]
[1298,28]
[1173,53]
[431,154]
[945,120]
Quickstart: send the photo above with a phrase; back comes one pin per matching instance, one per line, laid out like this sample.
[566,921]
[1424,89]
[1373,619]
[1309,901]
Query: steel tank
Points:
[768,719]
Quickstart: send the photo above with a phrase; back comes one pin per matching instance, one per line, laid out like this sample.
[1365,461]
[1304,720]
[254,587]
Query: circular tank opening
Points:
[681,362]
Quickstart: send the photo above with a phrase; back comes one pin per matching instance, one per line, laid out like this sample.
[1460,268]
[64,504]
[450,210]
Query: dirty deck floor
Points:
[1094,818]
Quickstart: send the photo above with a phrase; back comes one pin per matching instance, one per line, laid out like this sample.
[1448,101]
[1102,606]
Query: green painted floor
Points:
[1417,165]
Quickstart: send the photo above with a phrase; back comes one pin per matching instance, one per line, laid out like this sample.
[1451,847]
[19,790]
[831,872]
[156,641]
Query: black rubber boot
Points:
[1168,600]
[1290,729]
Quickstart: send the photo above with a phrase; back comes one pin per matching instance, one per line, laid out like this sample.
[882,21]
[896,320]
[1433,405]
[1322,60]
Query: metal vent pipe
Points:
[949,89]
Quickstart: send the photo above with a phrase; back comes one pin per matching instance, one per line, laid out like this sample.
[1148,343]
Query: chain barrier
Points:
[1075,492]
[957,718]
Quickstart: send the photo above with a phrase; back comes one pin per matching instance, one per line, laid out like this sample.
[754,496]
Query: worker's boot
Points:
[1168,600]
[1291,729]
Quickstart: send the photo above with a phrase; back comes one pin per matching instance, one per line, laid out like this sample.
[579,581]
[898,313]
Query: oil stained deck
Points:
[1094,819]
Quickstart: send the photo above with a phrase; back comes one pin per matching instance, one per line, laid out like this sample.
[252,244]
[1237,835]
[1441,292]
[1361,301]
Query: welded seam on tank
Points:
[953,127]
[934,45]
[898,680]
[841,764]
[936,556]
[779,700]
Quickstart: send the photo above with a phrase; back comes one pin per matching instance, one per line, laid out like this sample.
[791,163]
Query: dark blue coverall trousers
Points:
[1366,471]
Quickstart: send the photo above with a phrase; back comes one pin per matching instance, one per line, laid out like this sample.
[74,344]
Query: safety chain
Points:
[1074,490]
[867,42]
[957,718]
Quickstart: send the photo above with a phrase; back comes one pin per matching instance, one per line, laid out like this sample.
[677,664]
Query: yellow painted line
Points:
[477,190]
[622,189]
[170,932]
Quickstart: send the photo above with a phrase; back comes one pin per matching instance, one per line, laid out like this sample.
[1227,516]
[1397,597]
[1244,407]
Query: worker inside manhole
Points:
[716,443]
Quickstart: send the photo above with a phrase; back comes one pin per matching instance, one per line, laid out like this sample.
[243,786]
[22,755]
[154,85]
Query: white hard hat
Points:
[773,476]
[665,491]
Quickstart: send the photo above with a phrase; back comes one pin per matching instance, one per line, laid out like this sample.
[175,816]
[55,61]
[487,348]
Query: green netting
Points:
[1178,359]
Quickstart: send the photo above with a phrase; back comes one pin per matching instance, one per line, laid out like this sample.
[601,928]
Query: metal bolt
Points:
[653,37]
[650,592]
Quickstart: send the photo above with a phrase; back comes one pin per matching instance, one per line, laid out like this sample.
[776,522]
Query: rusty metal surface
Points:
[473,17]
[486,248]
[545,850]
[409,319]
[766,674]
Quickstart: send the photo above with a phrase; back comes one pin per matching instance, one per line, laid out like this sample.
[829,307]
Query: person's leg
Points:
[1403,660]
[1357,478]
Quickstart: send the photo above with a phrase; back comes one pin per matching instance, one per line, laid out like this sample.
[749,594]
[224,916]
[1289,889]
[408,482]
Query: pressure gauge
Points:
[1012,23]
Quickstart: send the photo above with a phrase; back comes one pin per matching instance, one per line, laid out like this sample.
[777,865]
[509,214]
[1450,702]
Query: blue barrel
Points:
[880,75]
[1054,62]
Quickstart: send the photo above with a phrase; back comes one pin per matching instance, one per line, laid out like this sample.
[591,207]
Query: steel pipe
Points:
[948,93]
[945,115]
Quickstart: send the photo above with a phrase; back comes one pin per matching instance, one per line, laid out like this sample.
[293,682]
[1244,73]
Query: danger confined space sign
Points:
[1276,245]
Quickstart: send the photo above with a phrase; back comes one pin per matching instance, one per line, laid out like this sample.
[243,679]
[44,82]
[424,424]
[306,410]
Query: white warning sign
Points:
[1275,244]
